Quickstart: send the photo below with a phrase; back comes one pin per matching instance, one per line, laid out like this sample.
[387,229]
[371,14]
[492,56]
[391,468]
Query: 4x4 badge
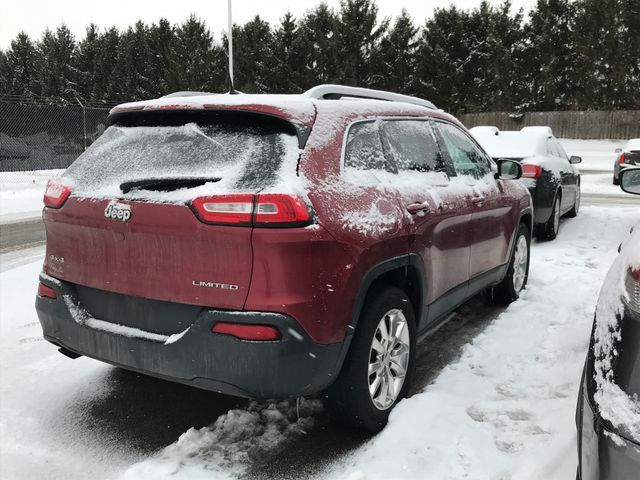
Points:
[118,211]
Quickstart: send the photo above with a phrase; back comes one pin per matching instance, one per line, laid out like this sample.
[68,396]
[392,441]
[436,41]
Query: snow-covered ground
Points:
[597,155]
[504,409]
[21,193]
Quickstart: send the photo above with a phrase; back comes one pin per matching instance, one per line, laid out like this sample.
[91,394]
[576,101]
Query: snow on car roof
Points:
[632,145]
[512,144]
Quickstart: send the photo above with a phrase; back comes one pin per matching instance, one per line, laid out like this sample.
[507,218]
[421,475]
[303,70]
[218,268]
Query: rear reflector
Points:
[46,291]
[244,209]
[56,194]
[531,171]
[243,331]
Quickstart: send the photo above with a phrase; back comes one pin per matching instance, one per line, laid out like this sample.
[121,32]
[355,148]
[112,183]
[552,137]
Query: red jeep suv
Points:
[273,246]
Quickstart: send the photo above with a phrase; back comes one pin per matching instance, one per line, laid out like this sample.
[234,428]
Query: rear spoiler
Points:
[155,116]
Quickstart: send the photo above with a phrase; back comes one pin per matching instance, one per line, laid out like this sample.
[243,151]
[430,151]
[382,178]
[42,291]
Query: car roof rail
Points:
[336,92]
[186,93]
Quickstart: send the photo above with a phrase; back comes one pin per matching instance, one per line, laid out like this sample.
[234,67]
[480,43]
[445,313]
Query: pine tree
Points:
[287,57]
[55,65]
[105,85]
[550,56]
[131,75]
[161,43]
[319,44]
[443,52]
[21,68]
[253,56]
[86,63]
[398,57]
[359,45]
[193,61]
[604,64]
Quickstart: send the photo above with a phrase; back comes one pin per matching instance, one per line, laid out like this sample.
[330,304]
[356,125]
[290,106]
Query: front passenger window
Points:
[466,157]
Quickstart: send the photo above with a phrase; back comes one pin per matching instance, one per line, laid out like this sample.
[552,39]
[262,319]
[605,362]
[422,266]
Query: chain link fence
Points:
[42,135]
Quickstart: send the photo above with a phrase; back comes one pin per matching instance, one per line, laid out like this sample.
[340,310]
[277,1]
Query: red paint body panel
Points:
[157,254]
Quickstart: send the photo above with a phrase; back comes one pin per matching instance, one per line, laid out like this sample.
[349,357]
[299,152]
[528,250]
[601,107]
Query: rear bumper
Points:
[542,197]
[289,367]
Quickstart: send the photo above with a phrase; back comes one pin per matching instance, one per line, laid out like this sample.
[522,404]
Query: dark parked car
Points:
[277,246]
[608,412]
[627,157]
[548,172]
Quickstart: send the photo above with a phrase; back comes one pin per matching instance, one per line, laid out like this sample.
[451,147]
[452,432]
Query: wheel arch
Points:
[405,272]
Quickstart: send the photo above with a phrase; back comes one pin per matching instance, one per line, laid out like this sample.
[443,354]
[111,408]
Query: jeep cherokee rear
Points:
[277,246]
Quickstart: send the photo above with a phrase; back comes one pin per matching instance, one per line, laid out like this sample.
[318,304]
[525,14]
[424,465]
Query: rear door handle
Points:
[418,208]
[478,200]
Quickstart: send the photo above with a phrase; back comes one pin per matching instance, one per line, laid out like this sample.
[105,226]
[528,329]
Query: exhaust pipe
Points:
[69,353]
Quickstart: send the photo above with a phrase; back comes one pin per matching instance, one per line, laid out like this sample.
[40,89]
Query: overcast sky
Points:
[34,16]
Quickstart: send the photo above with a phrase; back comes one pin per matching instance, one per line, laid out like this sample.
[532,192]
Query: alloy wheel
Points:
[388,359]
[520,258]
[556,216]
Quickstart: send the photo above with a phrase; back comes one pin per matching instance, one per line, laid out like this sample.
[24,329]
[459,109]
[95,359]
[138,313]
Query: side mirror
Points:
[618,150]
[574,159]
[508,169]
[630,180]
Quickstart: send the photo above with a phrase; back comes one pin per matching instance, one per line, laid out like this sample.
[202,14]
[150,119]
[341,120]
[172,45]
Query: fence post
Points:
[84,122]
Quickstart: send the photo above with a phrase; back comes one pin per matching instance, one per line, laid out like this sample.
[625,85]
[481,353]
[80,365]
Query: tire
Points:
[349,399]
[508,290]
[576,205]
[549,229]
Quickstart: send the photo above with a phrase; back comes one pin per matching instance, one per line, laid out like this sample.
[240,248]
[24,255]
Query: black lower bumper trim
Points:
[290,367]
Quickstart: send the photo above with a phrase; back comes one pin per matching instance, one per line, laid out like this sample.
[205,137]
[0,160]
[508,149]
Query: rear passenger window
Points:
[467,158]
[363,148]
[412,145]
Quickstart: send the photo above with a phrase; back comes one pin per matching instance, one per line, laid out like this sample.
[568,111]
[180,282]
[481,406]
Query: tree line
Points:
[562,55]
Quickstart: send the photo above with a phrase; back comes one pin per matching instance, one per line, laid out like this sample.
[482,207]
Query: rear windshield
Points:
[234,156]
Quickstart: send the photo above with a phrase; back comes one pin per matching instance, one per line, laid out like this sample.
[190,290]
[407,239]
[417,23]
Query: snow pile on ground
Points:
[225,449]
[601,184]
[596,154]
[506,408]
[21,192]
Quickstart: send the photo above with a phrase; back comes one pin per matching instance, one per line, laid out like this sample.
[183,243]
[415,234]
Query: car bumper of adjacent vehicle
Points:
[289,367]
[603,454]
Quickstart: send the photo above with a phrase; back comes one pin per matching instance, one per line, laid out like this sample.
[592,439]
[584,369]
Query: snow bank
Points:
[224,450]
[21,192]
[596,154]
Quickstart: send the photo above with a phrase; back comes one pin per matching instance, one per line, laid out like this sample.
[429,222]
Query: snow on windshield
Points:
[614,405]
[228,158]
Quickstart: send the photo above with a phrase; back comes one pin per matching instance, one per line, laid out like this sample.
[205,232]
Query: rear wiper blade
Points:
[166,184]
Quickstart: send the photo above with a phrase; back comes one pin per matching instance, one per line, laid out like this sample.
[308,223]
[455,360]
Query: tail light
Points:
[46,291]
[225,209]
[265,210]
[632,284]
[621,159]
[244,331]
[276,208]
[531,171]
[56,194]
